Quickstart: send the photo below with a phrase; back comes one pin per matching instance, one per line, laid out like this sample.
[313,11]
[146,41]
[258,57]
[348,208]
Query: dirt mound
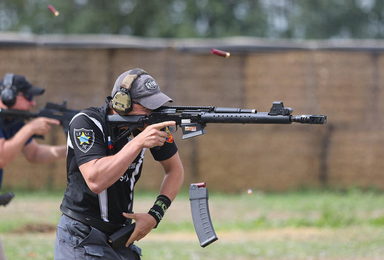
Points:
[35,228]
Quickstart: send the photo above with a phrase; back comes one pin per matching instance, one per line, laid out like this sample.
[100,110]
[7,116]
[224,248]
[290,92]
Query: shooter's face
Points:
[138,109]
[23,102]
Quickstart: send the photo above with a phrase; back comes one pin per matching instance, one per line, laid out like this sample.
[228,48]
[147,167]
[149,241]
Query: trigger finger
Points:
[168,123]
[53,121]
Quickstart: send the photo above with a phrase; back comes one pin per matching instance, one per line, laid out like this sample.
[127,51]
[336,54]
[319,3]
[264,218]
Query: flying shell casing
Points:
[221,53]
[53,10]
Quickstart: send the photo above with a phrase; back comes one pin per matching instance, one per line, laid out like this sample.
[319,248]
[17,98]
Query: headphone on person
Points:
[8,91]
[122,102]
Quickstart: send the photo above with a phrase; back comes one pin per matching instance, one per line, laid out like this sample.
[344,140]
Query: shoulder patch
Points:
[84,139]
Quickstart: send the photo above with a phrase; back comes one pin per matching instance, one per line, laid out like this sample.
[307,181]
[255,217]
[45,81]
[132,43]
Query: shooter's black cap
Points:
[22,85]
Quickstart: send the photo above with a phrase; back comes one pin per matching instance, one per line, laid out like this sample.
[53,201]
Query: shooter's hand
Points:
[153,136]
[41,125]
[144,224]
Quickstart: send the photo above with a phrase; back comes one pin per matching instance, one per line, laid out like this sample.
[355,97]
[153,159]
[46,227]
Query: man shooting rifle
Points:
[98,202]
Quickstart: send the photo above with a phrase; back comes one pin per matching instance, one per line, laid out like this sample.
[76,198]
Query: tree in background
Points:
[300,19]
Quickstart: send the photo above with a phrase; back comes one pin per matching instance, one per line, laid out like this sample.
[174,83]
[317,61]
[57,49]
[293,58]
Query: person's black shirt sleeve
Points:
[88,140]
[166,151]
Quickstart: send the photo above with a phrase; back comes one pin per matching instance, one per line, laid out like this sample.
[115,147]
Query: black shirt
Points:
[88,139]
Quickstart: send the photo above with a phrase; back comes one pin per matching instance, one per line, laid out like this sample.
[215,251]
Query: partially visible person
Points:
[2,254]
[16,136]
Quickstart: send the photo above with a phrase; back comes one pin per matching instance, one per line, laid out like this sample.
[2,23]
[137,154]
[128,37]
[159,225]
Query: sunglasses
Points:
[28,97]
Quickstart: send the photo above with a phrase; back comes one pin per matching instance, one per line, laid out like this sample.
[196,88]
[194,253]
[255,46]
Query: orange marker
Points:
[221,53]
[53,10]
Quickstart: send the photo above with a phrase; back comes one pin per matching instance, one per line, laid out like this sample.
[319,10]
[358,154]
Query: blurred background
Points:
[318,57]
[316,191]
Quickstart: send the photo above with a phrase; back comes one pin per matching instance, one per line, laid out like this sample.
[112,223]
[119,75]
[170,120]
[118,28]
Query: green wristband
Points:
[158,210]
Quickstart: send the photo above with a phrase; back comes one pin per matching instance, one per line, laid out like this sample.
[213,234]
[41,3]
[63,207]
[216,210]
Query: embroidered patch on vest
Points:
[84,139]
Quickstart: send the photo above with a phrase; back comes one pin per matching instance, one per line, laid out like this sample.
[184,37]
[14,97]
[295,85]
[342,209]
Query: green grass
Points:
[274,248]
[294,225]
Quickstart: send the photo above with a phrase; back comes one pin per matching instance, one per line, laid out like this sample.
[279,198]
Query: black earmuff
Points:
[122,102]
[8,91]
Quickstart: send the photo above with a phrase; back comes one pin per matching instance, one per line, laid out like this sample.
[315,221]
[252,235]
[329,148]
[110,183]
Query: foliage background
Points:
[290,19]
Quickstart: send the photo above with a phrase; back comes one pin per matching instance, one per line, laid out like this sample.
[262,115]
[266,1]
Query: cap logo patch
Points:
[150,84]
[84,139]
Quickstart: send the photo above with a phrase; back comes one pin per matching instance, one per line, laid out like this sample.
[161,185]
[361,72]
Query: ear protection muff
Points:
[8,91]
[122,102]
